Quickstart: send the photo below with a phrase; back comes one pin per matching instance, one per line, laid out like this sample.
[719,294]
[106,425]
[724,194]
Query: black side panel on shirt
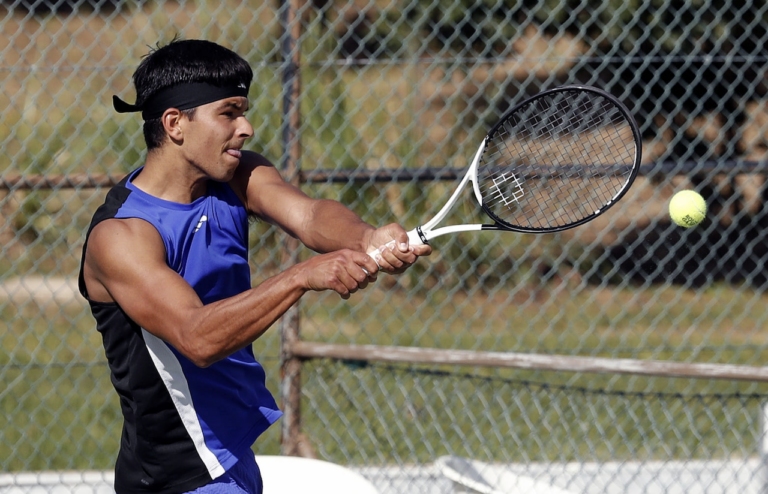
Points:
[161,456]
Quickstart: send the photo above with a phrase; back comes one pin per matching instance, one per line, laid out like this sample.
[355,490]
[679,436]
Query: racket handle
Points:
[413,239]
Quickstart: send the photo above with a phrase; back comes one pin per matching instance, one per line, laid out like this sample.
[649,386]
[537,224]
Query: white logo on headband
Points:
[241,85]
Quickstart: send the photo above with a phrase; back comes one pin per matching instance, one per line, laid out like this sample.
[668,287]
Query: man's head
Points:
[184,74]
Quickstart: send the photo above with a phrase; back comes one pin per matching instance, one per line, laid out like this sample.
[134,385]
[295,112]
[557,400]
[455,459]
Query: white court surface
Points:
[291,475]
[481,478]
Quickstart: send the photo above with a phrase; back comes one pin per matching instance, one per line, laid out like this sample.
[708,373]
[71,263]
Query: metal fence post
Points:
[763,448]
[292,441]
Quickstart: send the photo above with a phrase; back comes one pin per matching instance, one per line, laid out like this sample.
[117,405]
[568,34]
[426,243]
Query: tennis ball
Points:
[687,208]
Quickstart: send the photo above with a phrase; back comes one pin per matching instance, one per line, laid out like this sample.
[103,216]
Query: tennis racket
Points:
[555,161]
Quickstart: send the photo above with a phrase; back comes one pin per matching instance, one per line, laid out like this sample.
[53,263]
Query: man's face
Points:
[212,139]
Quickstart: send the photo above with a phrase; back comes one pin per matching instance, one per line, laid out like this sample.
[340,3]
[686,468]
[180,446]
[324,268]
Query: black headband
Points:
[182,97]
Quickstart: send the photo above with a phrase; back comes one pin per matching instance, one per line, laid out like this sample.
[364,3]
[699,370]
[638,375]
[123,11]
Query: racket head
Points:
[558,160]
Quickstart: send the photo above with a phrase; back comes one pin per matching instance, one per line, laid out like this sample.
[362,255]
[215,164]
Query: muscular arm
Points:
[125,263]
[321,225]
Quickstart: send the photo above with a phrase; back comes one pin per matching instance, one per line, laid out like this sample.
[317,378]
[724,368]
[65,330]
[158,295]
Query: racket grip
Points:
[413,239]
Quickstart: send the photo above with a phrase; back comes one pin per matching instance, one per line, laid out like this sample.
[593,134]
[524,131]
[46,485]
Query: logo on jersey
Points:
[203,218]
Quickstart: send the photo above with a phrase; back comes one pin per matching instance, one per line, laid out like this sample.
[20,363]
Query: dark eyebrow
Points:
[236,105]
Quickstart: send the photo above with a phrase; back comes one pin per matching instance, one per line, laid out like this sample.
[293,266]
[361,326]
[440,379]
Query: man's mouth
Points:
[234,152]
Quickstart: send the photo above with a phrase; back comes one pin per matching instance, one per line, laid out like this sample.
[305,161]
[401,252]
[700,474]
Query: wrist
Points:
[367,241]
[298,279]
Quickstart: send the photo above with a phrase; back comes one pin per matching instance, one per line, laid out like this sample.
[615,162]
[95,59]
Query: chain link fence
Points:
[380,89]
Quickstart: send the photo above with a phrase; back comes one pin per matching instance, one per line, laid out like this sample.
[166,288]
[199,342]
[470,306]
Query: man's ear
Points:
[172,124]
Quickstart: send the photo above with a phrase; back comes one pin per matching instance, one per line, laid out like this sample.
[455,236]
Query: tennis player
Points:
[165,270]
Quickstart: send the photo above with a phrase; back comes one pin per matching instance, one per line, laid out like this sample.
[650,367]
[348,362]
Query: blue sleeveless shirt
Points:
[183,425]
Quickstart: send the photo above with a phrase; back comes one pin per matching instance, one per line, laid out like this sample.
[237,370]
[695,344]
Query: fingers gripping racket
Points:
[555,161]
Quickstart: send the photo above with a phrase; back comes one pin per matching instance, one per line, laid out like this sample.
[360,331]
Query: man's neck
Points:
[170,178]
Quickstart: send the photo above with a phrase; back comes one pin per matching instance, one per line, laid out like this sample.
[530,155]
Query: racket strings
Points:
[556,161]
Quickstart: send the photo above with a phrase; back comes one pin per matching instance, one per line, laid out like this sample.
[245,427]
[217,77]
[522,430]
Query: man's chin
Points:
[230,166]
[229,176]
[224,174]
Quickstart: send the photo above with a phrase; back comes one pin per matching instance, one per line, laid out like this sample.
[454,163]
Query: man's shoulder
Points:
[124,226]
[253,172]
[114,247]
[117,234]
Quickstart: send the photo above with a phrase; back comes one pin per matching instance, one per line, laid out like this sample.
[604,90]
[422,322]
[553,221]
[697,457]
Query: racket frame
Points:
[426,232]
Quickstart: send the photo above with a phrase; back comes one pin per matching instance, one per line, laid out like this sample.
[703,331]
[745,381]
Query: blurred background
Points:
[349,94]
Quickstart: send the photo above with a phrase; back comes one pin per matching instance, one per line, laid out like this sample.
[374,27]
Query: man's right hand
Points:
[343,271]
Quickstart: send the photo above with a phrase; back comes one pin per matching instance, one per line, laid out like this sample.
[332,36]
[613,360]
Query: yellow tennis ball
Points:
[687,208]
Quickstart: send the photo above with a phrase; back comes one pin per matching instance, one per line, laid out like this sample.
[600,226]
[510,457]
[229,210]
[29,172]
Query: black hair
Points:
[185,61]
